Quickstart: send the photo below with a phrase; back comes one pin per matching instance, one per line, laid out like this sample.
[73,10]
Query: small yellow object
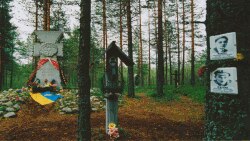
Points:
[239,56]
[112,125]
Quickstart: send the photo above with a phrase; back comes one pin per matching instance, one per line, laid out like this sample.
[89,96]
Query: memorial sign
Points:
[224,80]
[223,46]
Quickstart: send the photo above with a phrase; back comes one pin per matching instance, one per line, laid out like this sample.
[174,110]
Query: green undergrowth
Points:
[196,93]
[151,91]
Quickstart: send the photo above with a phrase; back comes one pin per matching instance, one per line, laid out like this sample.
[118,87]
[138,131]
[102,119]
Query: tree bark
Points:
[178,44]
[104,28]
[160,70]
[166,43]
[228,115]
[84,128]
[183,43]
[121,31]
[140,49]
[131,91]
[192,46]
[45,9]
[149,46]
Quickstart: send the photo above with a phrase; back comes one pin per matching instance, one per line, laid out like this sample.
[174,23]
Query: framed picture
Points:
[223,46]
[224,80]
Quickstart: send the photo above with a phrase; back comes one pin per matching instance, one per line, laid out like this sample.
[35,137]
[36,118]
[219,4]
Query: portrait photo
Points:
[224,80]
[223,46]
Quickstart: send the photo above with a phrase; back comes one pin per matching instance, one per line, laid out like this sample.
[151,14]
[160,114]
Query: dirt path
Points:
[140,119]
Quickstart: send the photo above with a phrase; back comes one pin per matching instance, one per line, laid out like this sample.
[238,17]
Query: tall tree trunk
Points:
[48,16]
[84,128]
[228,115]
[36,15]
[35,59]
[92,68]
[192,46]
[160,70]
[104,28]
[156,35]
[12,67]
[45,19]
[183,42]
[149,46]
[131,91]
[121,31]
[170,63]
[166,43]
[140,49]
[1,63]
[178,43]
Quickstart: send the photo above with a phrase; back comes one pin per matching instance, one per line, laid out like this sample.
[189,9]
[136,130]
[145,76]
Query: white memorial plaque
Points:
[223,46]
[224,80]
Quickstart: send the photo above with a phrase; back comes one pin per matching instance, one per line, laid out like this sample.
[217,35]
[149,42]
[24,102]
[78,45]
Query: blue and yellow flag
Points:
[46,97]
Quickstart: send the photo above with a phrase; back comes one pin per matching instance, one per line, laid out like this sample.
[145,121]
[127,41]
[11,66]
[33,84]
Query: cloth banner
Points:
[46,97]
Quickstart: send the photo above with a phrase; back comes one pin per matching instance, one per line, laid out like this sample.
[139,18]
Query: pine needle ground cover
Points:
[141,118]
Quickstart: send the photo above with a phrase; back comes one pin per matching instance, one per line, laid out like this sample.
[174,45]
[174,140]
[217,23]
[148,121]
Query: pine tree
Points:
[228,115]
[84,128]
[160,66]
[131,91]
[7,36]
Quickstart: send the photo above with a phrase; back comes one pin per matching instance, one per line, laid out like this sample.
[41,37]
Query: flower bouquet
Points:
[113,131]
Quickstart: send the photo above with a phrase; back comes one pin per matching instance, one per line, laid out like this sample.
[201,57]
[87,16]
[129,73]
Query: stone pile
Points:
[69,103]
[11,100]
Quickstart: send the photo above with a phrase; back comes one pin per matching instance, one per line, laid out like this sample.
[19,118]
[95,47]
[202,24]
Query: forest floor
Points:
[141,118]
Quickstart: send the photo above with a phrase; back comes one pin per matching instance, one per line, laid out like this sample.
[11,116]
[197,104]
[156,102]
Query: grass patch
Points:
[196,93]
[169,93]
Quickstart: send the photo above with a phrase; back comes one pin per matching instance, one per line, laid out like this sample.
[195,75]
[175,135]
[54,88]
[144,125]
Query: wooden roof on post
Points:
[114,51]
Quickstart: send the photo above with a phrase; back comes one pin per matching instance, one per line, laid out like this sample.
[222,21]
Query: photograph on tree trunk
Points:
[124,70]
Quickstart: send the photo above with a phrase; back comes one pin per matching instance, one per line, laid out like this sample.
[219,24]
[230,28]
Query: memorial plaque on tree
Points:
[223,46]
[224,80]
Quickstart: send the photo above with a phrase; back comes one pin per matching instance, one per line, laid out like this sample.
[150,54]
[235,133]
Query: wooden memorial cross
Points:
[112,87]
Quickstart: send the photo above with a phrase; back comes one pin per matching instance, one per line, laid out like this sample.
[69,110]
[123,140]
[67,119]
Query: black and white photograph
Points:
[223,46]
[224,80]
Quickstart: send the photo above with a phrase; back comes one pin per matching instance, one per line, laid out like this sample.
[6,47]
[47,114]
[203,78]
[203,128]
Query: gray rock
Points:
[75,110]
[10,114]
[4,100]
[94,109]
[16,106]
[10,109]
[8,104]
[67,110]
[10,90]
[1,113]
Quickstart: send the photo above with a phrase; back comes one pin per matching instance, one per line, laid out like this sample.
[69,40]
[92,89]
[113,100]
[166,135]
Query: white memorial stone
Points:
[48,48]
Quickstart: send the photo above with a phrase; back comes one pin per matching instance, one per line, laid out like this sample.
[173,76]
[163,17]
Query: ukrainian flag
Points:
[46,97]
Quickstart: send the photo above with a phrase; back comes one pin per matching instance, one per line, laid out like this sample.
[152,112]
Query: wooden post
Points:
[111,112]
